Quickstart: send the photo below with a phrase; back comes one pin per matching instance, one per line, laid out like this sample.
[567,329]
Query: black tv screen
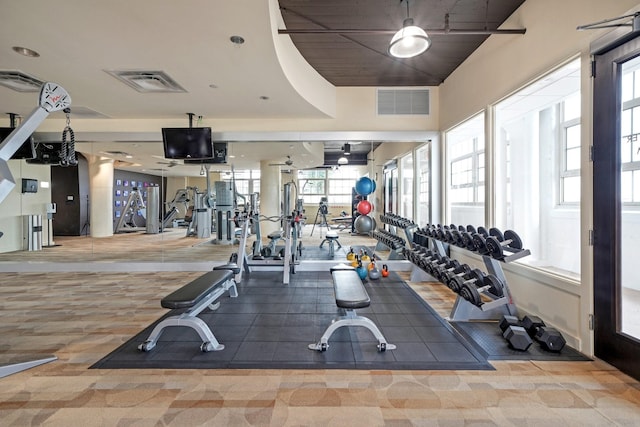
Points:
[187,143]
[26,150]
[219,155]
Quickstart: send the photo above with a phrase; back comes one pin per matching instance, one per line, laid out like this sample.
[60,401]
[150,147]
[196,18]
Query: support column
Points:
[101,196]
[270,196]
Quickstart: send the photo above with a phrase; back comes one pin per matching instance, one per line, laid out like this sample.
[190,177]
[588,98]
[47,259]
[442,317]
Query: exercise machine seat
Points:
[231,266]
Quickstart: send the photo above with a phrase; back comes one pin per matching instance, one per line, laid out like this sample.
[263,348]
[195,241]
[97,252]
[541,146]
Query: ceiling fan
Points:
[170,163]
[288,162]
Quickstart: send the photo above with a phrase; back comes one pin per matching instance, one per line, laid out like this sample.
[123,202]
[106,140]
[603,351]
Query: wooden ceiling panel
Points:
[361,59]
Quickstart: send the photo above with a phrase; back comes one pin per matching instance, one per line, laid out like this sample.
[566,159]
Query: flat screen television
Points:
[26,150]
[219,155]
[187,143]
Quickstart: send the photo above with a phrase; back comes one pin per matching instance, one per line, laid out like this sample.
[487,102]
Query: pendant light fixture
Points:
[410,40]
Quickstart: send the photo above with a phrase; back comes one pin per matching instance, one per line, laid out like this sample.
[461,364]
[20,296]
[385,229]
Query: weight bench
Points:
[331,238]
[196,296]
[350,295]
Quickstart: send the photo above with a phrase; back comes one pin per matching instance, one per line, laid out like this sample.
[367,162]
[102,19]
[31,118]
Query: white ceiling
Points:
[78,40]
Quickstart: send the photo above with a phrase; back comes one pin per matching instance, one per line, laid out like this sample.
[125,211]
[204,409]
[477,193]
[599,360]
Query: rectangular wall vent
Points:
[403,102]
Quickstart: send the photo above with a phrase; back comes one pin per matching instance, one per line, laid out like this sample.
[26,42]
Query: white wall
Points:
[499,67]
[17,204]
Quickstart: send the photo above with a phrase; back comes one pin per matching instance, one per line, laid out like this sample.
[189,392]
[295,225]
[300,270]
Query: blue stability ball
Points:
[364,186]
[364,224]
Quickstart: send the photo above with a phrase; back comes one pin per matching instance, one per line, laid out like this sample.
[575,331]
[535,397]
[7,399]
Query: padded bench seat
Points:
[196,290]
[195,296]
[350,295]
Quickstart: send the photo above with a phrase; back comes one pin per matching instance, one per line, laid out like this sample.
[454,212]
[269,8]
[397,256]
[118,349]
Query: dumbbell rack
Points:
[463,310]
[392,221]
[385,240]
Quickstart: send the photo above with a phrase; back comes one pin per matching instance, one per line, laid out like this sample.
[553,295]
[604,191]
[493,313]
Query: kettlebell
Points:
[374,273]
[371,265]
[351,255]
[365,256]
[355,261]
[362,271]
[385,270]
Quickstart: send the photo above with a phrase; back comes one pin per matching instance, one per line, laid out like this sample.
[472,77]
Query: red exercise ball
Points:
[364,207]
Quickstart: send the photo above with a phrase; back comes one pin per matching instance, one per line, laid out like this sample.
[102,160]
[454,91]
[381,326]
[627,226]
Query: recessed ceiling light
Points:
[25,51]
[264,98]
[236,39]
[213,86]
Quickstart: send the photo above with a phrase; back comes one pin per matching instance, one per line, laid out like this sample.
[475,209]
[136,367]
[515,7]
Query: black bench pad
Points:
[194,291]
[349,290]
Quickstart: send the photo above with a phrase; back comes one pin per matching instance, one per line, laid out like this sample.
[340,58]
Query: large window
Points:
[423,154]
[406,177]
[341,183]
[312,185]
[537,164]
[247,181]
[630,131]
[465,160]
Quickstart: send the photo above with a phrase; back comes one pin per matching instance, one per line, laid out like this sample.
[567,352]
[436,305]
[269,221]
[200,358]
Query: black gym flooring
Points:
[270,325]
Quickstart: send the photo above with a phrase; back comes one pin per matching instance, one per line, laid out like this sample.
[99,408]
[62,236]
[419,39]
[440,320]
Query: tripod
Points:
[323,210]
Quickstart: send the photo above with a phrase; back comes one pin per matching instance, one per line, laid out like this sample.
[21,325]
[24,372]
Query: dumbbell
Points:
[467,240]
[447,274]
[457,238]
[550,339]
[479,241]
[423,261]
[456,282]
[496,243]
[514,333]
[436,262]
[471,293]
[453,265]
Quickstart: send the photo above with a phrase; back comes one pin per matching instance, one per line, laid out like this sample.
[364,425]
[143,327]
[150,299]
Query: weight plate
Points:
[455,284]
[483,232]
[495,286]
[452,227]
[455,237]
[471,294]
[479,244]
[516,242]
[497,234]
[448,237]
[467,240]
[494,247]
[464,268]
[471,229]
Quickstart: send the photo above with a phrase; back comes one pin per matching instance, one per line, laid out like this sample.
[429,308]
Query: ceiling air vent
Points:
[147,81]
[20,82]
[403,102]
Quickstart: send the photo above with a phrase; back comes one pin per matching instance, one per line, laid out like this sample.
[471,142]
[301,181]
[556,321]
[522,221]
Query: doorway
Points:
[616,192]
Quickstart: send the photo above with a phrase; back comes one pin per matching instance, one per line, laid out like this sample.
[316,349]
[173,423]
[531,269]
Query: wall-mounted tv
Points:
[219,155]
[187,143]
[26,150]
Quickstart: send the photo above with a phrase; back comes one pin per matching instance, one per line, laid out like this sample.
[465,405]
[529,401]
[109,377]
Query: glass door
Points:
[616,188]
